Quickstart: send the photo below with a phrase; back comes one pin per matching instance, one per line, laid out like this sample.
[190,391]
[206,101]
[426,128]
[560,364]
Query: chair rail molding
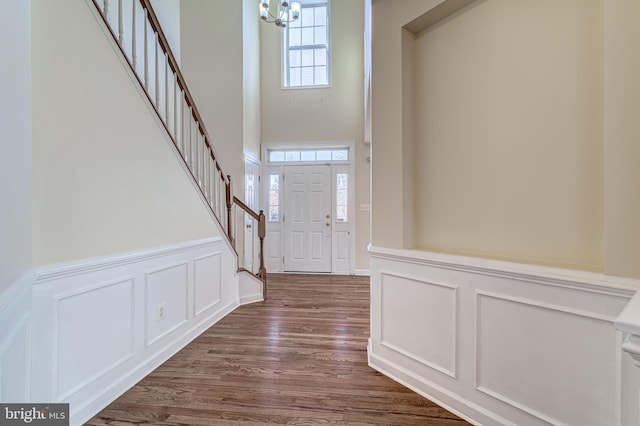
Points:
[500,343]
[83,332]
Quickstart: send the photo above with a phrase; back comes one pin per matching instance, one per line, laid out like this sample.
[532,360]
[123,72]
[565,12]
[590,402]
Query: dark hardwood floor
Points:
[299,358]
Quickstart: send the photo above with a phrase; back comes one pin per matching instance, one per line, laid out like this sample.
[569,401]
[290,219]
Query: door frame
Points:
[274,243]
[250,162]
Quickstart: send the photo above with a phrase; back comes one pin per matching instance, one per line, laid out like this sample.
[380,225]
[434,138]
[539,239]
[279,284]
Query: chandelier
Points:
[287,12]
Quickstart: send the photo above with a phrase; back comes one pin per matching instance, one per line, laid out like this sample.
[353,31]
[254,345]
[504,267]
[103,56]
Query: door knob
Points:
[328,216]
[328,224]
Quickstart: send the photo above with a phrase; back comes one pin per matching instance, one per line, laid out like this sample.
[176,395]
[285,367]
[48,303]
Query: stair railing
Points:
[136,30]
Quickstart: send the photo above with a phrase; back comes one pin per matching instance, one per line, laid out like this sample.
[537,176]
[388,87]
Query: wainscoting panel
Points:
[552,349]
[94,333]
[15,341]
[500,343]
[207,282]
[166,300]
[418,320]
[101,325]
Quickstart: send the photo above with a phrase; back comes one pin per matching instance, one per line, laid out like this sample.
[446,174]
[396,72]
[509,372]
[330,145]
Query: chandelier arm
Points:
[278,17]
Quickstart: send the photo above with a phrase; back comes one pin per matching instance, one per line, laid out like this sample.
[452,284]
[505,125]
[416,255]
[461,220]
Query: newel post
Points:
[229,205]
[262,232]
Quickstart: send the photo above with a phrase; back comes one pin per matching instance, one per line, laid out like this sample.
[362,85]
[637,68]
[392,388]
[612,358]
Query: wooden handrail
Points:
[262,232]
[246,208]
[198,155]
[164,44]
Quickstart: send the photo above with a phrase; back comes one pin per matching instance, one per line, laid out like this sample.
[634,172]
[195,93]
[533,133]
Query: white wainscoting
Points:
[101,325]
[251,288]
[15,341]
[501,343]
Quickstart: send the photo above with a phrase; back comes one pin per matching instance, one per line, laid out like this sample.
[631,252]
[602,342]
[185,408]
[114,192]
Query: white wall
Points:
[324,114]
[105,178]
[15,140]
[212,61]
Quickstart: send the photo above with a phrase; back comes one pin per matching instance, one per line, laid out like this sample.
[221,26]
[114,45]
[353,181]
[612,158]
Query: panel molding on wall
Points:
[166,286]
[78,346]
[534,345]
[15,340]
[207,293]
[405,344]
[564,359]
[96,328]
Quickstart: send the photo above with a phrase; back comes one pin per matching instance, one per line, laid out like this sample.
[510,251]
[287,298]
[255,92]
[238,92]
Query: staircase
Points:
[137,32]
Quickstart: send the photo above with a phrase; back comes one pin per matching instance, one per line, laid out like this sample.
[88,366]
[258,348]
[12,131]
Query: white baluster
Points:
[205,165]
[166,89]
[175,110]
[157,74]
[105,9]
[120,27]
[146,52]
[190,162]
[182,131]
[134,59]
[198,155]
[214,180]
[212,188]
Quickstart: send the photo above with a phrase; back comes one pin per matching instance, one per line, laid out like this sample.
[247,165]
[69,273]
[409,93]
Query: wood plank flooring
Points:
[299,358]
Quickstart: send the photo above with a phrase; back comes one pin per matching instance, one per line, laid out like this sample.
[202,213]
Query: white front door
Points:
[307,220]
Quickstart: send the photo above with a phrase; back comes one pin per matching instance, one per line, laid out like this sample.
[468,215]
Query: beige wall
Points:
[324,114]
[15,140]
[387,152]
[105,180]
[622,137]
[211,61]
[251,78]
[509,121]
[523,132]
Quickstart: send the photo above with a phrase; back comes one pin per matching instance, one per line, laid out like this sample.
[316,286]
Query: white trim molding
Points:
[629,322]
[84,332]
[502,343]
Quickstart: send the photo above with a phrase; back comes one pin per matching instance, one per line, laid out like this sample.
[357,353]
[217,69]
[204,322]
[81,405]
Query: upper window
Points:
[306,46]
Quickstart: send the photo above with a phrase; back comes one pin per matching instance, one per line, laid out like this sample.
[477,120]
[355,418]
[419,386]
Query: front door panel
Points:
[307,221]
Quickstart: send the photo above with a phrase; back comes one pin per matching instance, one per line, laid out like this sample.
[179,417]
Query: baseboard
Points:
[362,272]
[250,288]
[450,401]
[99,401]
[251,298]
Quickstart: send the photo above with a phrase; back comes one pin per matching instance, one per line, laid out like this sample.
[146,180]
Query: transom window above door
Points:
[322,155]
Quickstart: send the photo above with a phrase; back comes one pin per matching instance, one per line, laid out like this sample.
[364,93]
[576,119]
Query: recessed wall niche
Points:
[503,131]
